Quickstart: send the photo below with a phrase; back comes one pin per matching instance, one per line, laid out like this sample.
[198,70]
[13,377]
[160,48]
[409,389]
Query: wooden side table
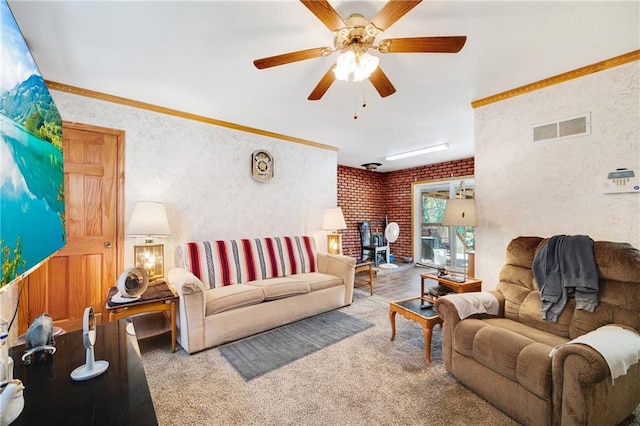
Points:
[159,298]
[366,267]
[468,286]
[412,309]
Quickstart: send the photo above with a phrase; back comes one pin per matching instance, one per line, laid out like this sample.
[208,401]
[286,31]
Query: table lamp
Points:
[333,221]
[461,212]
[149,220]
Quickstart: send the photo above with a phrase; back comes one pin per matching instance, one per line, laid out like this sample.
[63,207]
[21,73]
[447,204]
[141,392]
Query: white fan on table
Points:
[391,233]
[131,284]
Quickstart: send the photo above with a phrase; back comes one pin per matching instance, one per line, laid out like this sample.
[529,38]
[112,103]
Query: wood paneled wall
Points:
[366,195]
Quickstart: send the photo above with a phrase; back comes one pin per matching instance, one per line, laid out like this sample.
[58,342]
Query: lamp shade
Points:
[460,212]
[333,219]
[149,218]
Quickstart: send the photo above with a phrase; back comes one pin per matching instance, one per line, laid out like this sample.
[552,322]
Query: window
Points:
[434,243]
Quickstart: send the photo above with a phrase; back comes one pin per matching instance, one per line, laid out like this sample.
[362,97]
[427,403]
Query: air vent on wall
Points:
[577,125]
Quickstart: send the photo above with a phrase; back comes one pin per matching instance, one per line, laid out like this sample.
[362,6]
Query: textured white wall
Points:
[555,187]
[202,173]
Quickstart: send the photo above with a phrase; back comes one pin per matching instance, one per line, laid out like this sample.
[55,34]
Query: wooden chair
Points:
[366,266]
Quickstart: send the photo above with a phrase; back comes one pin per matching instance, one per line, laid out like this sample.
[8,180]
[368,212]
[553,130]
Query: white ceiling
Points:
[197,57]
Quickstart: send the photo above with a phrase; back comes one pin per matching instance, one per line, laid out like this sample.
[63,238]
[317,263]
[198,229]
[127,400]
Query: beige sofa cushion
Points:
[277,288]
[318,280]
[230,297]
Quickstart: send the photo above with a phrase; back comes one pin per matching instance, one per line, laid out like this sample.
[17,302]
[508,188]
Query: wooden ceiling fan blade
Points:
[382,83]
[326,13]
[451,44]
[287,58]
[321,88]
[392,11]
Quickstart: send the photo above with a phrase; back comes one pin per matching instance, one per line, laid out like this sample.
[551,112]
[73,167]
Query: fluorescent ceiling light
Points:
[421,151]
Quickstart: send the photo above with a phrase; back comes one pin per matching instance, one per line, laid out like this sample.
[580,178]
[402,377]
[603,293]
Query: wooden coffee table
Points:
[414,309]
[159,299]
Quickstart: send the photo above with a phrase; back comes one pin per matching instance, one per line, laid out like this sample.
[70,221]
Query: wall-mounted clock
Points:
[261,165]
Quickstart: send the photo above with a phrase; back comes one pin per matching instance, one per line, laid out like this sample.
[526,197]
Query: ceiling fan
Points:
[354,37]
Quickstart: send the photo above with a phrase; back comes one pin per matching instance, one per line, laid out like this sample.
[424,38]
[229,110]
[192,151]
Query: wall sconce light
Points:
[333,221]
[149,220]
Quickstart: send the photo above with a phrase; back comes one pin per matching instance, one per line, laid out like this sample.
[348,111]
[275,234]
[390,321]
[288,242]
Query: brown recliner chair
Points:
[505,358]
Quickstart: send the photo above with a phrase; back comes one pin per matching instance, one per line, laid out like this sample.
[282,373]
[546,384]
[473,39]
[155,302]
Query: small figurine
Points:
[39,339]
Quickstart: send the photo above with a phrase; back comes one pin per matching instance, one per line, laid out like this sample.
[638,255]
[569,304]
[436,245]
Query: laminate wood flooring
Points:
[400,283]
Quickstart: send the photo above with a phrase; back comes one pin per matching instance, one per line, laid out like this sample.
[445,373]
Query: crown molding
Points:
[52,85]
[560,78]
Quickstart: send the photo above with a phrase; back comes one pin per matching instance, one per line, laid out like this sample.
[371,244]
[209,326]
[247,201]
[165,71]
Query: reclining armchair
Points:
[506,358]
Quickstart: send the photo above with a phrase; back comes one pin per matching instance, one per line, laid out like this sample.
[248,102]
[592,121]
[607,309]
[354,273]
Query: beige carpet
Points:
[363,380]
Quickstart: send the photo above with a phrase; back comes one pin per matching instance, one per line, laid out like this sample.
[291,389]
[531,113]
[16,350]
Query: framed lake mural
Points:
[31,163]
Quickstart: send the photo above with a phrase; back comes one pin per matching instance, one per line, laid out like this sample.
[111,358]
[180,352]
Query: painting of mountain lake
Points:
[31,169]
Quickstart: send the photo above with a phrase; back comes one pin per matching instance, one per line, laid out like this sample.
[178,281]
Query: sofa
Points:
[506,358]
[230,289]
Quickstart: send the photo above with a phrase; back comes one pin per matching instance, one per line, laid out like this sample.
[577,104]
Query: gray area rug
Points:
[257,355]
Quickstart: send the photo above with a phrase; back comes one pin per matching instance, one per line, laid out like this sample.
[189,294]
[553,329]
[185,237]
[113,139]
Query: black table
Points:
[120,396]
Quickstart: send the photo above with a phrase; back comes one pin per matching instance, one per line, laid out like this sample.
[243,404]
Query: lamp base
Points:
[471,263]
[334,243]
[151,258]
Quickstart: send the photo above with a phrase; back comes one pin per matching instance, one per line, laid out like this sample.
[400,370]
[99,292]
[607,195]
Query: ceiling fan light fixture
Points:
[359,67]
[365,66]
[345,64]
[421,151]
[353,37]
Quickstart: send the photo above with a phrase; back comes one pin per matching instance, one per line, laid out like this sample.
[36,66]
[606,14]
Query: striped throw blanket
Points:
[225,262]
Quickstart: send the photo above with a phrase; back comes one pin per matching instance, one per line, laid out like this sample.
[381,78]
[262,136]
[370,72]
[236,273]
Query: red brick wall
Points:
[365,195]
[361,196]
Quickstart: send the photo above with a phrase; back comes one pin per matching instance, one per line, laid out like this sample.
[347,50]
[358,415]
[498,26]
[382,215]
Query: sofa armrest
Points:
[575,369]
[449,314]
[581,375]
[191,308]
[341,266]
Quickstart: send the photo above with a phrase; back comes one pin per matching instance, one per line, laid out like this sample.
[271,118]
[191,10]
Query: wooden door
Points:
[81,274]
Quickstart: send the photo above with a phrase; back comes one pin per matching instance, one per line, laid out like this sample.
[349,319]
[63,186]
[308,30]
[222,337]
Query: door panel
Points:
[57,299]
[81,273]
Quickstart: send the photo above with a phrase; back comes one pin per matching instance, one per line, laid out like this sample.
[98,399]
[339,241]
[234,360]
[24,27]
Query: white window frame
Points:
[417,188]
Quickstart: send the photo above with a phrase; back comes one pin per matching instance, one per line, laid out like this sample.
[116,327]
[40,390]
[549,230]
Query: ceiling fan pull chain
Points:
[364,99]
[355,103]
